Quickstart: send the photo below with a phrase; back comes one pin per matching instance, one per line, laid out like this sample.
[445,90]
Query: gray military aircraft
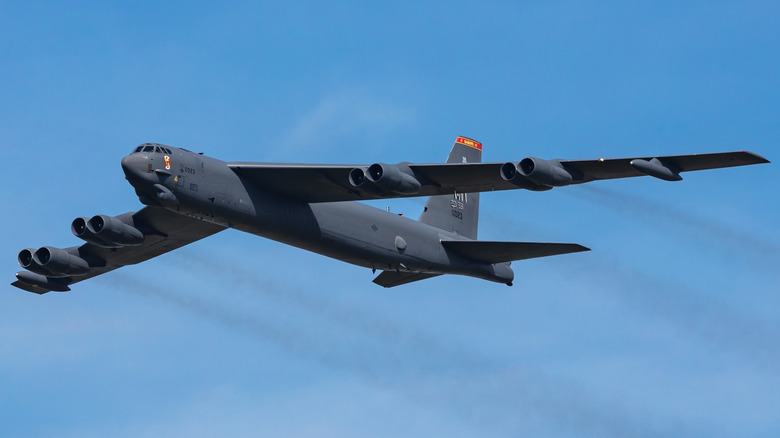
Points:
[190,196]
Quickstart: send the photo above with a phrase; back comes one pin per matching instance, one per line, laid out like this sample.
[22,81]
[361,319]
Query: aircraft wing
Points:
[163,231]
[333,183]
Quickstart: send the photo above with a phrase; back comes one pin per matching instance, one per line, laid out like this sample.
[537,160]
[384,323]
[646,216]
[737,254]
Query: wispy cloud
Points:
[342,116]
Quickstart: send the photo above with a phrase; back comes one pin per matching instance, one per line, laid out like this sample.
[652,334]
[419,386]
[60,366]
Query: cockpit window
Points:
[157,149]
[138,149]
[168,151]
[149,149]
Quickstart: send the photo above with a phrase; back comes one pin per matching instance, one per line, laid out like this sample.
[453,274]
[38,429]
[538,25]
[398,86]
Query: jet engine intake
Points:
[548,173]
[80,229]
[56,262]
[510,173]
[27,261]
[357,177]
[391,178]
[106,231]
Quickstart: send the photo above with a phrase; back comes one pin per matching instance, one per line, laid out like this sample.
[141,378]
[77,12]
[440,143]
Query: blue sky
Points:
[668,327]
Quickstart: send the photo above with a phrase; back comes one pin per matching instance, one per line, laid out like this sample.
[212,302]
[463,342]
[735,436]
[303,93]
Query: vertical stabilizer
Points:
[458,212]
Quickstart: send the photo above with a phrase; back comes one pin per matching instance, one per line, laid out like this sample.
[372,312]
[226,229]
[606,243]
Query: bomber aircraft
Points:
[189,196]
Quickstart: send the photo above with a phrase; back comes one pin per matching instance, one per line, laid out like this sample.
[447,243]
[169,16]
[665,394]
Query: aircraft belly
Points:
[351,232]
[378,238]
[348,231]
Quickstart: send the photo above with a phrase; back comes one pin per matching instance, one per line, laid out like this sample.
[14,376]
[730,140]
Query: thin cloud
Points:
[341,115]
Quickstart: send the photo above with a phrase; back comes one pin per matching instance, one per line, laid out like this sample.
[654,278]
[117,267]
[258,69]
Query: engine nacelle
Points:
[510,173]
[544,172]
[27,261]
[106,231]
[357,177]
[80,229]
[58,262]
[391,178]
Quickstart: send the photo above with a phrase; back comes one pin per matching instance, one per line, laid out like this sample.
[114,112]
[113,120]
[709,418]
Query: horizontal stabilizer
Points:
[499,252]
[393,278]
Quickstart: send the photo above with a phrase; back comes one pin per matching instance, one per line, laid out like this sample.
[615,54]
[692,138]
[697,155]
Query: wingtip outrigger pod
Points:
[39,284]
[656,168]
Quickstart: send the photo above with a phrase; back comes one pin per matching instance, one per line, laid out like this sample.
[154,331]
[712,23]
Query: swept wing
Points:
[339,182]
[163,231]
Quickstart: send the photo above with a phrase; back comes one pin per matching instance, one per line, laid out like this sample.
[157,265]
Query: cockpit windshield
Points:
[152,147]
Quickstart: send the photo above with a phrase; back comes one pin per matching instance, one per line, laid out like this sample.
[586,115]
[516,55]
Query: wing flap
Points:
[499,252]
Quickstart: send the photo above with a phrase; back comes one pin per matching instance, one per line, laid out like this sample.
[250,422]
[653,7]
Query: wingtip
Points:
[759,158]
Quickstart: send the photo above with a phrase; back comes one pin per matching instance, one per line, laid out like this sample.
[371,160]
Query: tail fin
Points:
[459,212]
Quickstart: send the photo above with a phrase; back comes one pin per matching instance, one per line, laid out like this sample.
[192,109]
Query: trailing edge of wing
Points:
[393,278]
[498,252]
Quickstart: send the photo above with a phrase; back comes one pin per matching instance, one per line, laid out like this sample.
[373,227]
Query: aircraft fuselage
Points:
[207,189]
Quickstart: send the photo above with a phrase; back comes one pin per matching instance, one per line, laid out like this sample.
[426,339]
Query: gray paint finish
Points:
[189,196]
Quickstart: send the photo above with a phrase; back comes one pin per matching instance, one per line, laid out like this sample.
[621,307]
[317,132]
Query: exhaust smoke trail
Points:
[290,339]
[695,312]
[450,381]
[708,230]
[354,321]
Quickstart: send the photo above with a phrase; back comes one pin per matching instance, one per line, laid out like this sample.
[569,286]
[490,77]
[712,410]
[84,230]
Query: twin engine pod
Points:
[537,174]
[52,262]
[393,178]
[49,265]
[106,231]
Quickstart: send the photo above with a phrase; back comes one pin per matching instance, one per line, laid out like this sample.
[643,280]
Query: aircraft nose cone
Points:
[135,167]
